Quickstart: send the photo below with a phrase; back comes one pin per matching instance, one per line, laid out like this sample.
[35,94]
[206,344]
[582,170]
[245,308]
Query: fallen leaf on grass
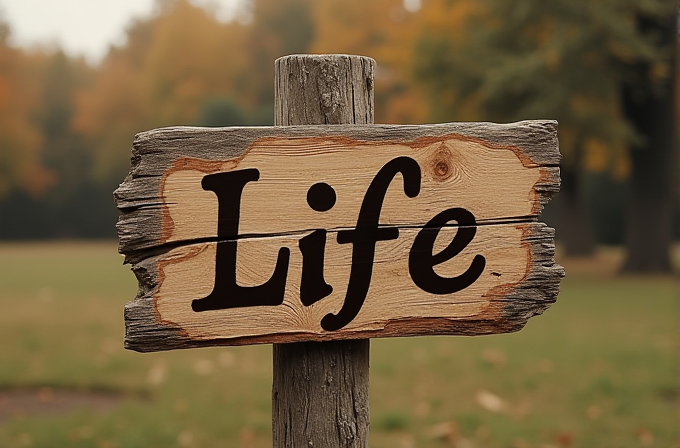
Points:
[24,439]
[520,443]
[204,367]
[594,412]
[185,438]
[407,441]
[181,406]
[443,430]
[156,375]
[82,433]
[227,359]
[483,432]
[109,345]
[646,437]
[545,366]
[522,410]
[247,437]
[564,439]
[447,432]
[422,409]
[46,394]
[465,443]
[494,356]
[490,401]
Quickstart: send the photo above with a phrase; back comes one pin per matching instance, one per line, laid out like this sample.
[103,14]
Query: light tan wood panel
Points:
[513,252]
[491,183]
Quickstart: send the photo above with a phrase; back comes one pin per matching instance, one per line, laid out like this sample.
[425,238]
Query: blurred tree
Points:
[21,166]
[220,112]
[170,66]
[648,98]
[191,57]
[278,28]
[601,68]
[74,205]
[383,30]
[535,59]
[77,205]
[64,151]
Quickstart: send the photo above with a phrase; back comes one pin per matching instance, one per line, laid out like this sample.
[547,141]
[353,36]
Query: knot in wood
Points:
[441,169]
[441,164]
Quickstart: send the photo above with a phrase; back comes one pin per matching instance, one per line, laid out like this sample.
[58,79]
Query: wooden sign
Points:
[282,234]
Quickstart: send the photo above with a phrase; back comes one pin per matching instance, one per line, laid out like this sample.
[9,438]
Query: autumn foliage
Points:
[66,126]
[20,136]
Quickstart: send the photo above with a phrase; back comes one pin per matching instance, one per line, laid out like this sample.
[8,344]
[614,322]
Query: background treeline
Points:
[606,70]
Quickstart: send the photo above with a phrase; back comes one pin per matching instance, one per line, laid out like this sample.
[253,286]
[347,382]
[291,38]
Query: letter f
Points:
[367,233]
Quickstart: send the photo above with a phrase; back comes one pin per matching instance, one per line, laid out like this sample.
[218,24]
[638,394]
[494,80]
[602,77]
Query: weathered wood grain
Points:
[165,211]
[497,182]
[320,394]
[174,218]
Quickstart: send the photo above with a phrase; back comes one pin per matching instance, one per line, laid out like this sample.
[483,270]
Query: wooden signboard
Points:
[312,233]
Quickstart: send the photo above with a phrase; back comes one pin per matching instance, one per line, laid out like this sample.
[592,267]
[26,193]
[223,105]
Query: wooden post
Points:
[320,389]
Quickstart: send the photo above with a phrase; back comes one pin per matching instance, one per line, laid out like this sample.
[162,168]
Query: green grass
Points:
[598,369]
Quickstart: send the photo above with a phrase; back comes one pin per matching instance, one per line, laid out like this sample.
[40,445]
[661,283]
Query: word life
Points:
[321,197]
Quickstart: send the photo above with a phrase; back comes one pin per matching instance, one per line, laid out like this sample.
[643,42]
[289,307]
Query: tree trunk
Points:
[573,228]
[320,389]
[650,200]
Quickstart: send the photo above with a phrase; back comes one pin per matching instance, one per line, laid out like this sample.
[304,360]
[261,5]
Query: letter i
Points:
[313,287]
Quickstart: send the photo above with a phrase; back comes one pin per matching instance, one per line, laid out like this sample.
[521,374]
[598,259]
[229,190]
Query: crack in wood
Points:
[145,252]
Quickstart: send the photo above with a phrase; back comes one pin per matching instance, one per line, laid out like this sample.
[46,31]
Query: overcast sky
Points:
[80,27]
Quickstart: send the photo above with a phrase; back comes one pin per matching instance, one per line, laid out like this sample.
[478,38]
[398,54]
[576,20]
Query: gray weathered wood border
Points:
[140,204]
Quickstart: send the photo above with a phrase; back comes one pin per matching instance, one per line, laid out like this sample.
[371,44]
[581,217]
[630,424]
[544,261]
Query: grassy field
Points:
[598,369]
